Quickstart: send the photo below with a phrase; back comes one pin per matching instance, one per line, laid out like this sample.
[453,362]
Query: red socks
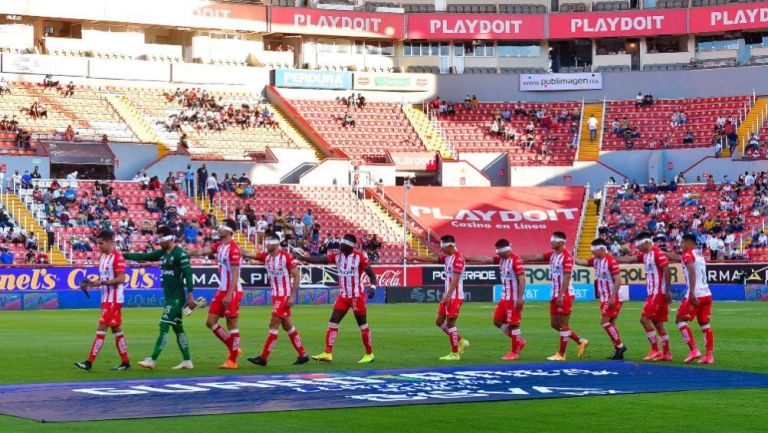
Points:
[651,334]
[365,333]
[565,334]
[664,343]
[293,335]
[221,334]
[122,347]
[454,338]
[98,343]
[330,336]
[687,334]
[269,344]
[574,336]
[234,344]
[613,333]
[709,338]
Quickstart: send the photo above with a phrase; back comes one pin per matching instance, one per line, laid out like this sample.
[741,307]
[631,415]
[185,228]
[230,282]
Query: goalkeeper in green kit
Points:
[176,274]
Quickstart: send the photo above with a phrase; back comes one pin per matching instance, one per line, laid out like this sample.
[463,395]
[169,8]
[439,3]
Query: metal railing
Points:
[587,196]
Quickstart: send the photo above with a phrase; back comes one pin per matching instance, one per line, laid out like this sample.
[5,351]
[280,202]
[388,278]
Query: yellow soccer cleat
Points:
[583,347]
[556,357]
[325,357]
[453,356]
[228,365]
[463,344]
[366,359]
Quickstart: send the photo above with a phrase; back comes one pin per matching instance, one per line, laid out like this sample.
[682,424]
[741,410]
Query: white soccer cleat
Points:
[185,365]
[147,363]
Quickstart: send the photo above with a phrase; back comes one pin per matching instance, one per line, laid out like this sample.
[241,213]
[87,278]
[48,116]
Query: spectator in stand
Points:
[450,109]
[202,178]
[70,92]
[730,134]
[688,138]
[189,181]
[616,127]
[372,247]
[467,103]
[753,144]
[26,180]
[348,120]
[191,233]
[6,257]
[592,124]
[506,115]
[715,245]
[639,100]
[308,220]
[212,187]
[475,103]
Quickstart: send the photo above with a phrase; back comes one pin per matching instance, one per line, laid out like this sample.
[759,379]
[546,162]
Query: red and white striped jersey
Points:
[605,269]
[700,287]
[560,263]
[654,262]
[110,265]
[228,256]
[454,264]
[278,271]
[350,269]
[509,269]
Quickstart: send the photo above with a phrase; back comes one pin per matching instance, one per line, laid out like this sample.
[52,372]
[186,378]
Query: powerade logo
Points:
[313,79]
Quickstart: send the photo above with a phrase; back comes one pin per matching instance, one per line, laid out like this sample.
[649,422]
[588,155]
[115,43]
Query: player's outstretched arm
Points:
[315,260]
[581,262]
[295,282]
[627,259]
[372,278]
[479,260]
[204,251]
[533,258]
[252,256]
[674,257]
[422,259]
[144,257]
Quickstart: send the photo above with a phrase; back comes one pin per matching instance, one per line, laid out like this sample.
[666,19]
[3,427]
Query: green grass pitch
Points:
[40,346]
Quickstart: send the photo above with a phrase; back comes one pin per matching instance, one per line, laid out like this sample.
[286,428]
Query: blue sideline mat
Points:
[123,399]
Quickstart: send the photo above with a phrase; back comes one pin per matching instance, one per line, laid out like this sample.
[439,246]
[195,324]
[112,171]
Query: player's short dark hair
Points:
[106,235]
[559,235]
[350,237]
[270,234]
[447,239]
[599,242]
[164,231]
[501,243]
[642,235]
[690,237]
[229,222]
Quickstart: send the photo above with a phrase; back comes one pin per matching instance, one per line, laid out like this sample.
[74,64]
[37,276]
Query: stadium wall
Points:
[131,158]
[21,163]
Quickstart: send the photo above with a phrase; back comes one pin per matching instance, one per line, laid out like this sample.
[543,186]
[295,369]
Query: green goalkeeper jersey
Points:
[175,270]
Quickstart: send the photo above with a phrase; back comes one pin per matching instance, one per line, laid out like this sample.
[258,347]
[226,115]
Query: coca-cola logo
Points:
[387,278]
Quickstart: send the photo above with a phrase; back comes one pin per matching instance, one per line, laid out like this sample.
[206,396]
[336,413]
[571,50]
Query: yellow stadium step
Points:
[588,231]
[29,223]
[590,150]
[292,132]
[135,121]
[427,132]
[241,239]
[752,123]
[384,215]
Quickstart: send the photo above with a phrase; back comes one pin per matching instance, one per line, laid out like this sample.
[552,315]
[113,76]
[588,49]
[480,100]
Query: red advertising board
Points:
[477,217]
[618,24]
[475,26]
[393,276]
[741,16]
[337,23]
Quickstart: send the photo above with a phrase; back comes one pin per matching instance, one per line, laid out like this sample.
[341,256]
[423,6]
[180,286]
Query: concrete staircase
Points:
[292,132]
[590,150]
[588,231]
[752,123]
[427,132]
[138,125]
[240,238]
[413,241]
[29,223]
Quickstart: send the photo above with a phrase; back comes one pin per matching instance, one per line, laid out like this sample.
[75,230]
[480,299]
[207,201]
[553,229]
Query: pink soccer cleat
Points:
[692,355]
[707,359]
[511,356]
[665,357]
[652,355]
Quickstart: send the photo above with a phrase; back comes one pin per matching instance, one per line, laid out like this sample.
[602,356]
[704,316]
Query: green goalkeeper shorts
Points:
[172,312]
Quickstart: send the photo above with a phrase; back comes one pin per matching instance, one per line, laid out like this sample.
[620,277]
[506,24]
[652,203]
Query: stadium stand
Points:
[17,247]
[651,126]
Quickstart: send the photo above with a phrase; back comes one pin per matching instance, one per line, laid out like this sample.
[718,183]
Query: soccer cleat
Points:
[228,365]
[453,356]
[511,356]
[258,361]
[707,359]
[124,366]
[618,353]
[463,344]
[652,355]
[85,365]
[184,365]
[556,357]
[324,357]
[665,357]
[583,343]
[147,363]
[301,360]
[366,359]
[692,355]
[520,345]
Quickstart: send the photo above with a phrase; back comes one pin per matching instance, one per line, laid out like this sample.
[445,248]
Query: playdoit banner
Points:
[558,82]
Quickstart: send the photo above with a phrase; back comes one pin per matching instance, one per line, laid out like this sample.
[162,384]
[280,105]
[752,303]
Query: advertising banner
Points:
[559,82]
[740,16]
[539,292]
[387,82]
[336,23]
[308,79]
[618,24]
[414,161]
[475,26]
[478,216]
[434,294]
[39,64]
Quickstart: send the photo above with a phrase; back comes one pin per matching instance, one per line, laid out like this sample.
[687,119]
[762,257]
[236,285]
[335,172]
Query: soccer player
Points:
[450,306]
[608,281]
[284,278]
[560,269]
[110,280]
[509,309]
[176,274]
[656,308]
[696,303]
[226,302]
[350,263]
